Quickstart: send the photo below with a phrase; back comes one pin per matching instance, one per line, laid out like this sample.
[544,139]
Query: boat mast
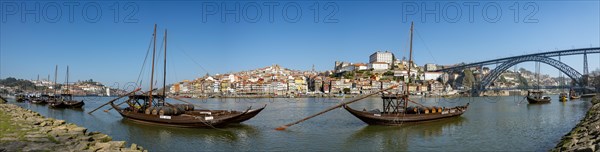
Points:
[55,75]
[152,73]
[537,76]
[409,66]
[165,69]
[68,91]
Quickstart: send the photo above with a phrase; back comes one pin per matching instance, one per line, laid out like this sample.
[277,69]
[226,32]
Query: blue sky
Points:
[200,42]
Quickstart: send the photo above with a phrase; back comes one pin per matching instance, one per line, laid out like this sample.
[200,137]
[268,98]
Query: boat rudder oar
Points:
[280,128]
[114,100]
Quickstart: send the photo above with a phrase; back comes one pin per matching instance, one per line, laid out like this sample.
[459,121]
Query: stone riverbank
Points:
[25,130]
[585,136]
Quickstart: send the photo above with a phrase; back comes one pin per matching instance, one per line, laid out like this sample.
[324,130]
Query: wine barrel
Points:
[155,110]
[165,111]
[424,110]
[148,110]
[177,110]
[180,107]
[420,110]
[189,107]
[411,110]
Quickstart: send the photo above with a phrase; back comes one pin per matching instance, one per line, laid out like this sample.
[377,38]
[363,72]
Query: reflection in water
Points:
[239,135]
[490,124]
[398,137]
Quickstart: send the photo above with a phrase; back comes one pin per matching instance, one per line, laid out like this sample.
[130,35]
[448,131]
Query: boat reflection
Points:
[163,134]
[399,137]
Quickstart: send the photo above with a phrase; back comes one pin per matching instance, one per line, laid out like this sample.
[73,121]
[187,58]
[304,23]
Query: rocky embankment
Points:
[24,130]
[585,136]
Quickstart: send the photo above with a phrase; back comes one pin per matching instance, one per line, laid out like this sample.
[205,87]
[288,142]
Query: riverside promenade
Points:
[25,130]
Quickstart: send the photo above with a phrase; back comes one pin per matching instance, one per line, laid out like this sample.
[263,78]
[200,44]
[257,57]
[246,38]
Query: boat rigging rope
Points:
[519,103]
[140,77]
[426,47]
[187,55]
[160,53]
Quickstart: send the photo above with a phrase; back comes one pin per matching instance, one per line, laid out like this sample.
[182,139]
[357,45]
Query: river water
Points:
[490,124]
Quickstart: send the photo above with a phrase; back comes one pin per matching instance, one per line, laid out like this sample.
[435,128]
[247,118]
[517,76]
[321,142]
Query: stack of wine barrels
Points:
[170,111]
[176,109]
[184,107]
[433,109]
[439,109]
[411,110]
[424,110]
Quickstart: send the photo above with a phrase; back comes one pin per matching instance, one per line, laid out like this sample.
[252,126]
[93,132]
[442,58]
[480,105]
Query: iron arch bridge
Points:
[494,74]
[580,51]
[544,57]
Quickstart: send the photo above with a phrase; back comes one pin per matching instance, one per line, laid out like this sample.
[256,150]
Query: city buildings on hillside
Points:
[382,70]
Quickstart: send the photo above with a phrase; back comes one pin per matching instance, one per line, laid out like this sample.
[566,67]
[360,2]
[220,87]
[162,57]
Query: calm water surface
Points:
[491,123]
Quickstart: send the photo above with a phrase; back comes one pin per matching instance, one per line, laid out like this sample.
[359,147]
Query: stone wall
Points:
[585,136]
[24,130]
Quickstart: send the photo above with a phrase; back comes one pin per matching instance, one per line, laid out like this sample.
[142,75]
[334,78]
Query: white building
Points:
[430,67]
[340,65]
[231,78]
[378,66]
[348,68]
[432,75]
[386,57]
[360,66]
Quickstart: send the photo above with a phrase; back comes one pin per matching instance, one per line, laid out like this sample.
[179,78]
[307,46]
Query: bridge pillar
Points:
[475,92]
[585,64]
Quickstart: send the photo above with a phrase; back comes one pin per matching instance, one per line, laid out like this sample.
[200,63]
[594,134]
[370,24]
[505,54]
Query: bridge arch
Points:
[564,68]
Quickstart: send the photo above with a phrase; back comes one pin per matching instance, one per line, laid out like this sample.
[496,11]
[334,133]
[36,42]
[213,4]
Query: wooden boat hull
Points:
[67,104]
[590,95]
[248,115]
[573,97]
[57,104]
[400,118]
[39,101]
[176,121]
[21,98]
[190,119]
[74,104]
[537,101]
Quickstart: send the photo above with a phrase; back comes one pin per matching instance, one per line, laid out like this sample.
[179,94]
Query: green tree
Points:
[595,79]
[468,78]
[502,79]
[332,75]
[346,90]
[388,73]
[523,82]
[348,75]
[19,83]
